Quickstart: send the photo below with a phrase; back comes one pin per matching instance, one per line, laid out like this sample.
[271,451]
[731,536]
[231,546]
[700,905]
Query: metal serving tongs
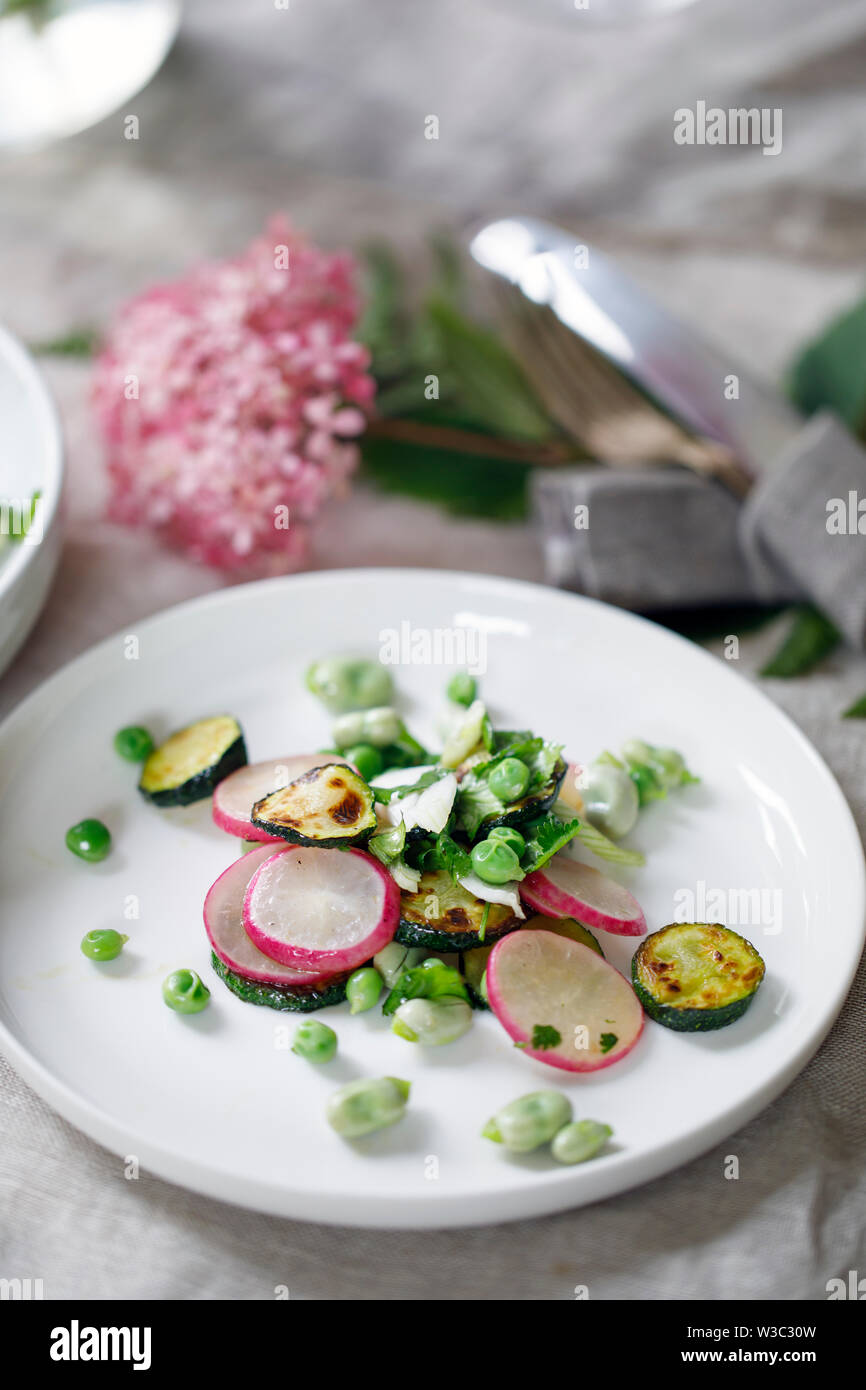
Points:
[600,352]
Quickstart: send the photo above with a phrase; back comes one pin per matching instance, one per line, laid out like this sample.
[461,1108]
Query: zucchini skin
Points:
[296,1001]
[436,939]
[202,784]
[530,806]
[693,1019]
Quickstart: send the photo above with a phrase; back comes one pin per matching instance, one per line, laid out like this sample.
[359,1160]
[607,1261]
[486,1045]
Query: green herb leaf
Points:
[810,638]
[545,1036]
[385,795]
[857,710]
[608,1040]
[545,837]
[445,853]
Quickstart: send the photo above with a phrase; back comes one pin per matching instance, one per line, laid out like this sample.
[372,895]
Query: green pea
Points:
[531,1120]
[394,958]
[314,1041]
[363,988]
[89,839]
[432,1022]
[185,992]
[580,1140]
[367,1105]
[494,861]
[509,836]
[462,688]
[103,945]
[133,743]
[367,759]
[509,779]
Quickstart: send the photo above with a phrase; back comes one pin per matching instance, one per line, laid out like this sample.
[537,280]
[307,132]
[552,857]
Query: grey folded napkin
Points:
[667,538]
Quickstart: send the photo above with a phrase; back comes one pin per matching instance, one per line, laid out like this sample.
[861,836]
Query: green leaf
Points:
[810,638]
[385,795]
[475,802]
[545,838]
[831,373]
[599,844]
[857,710]
[445,853]
[608,1040]
[489,380]
[463,484]
[544,1035]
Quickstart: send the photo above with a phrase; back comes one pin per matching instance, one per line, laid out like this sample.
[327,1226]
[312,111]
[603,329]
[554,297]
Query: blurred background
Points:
[318,107]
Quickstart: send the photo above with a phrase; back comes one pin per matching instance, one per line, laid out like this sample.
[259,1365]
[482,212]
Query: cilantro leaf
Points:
[608,1040]
[544,838]
[385,795]
[445,853]
[545,1036]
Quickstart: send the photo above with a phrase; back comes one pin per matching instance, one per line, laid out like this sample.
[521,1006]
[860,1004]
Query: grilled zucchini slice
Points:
[528,807]
[288,998]
[191,762]
[694,976]
[443,916]
[564,926]
[328,807]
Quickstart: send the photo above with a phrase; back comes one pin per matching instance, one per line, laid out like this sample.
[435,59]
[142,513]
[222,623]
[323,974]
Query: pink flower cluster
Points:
[229,399]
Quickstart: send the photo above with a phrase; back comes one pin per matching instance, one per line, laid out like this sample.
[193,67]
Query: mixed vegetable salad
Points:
[442,884]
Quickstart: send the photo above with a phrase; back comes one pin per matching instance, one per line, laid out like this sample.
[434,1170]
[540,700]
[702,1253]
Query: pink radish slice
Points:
[536,980]
[236,795]
[567,888]
[224,923]
[325,909]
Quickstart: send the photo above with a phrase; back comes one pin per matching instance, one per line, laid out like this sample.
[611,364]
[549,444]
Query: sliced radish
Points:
[562,1002]
[224,923]
[567,888]
[326,909]
[236,795]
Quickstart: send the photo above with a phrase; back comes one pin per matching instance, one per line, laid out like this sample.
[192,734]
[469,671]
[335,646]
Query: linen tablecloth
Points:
[320,109]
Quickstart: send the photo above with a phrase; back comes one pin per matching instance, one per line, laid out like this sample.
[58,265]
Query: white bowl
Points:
[31,457]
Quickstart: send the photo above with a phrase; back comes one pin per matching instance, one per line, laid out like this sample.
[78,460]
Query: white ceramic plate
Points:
[31,459]
[213,1101]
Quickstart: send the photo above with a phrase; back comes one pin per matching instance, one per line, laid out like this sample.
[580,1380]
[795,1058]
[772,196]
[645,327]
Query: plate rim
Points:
[445,1210]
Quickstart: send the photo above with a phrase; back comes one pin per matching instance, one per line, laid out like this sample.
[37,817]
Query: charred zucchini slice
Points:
[564,926]
[328,807]
[284,997]
[694,976]
[190,763]
[443,916]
